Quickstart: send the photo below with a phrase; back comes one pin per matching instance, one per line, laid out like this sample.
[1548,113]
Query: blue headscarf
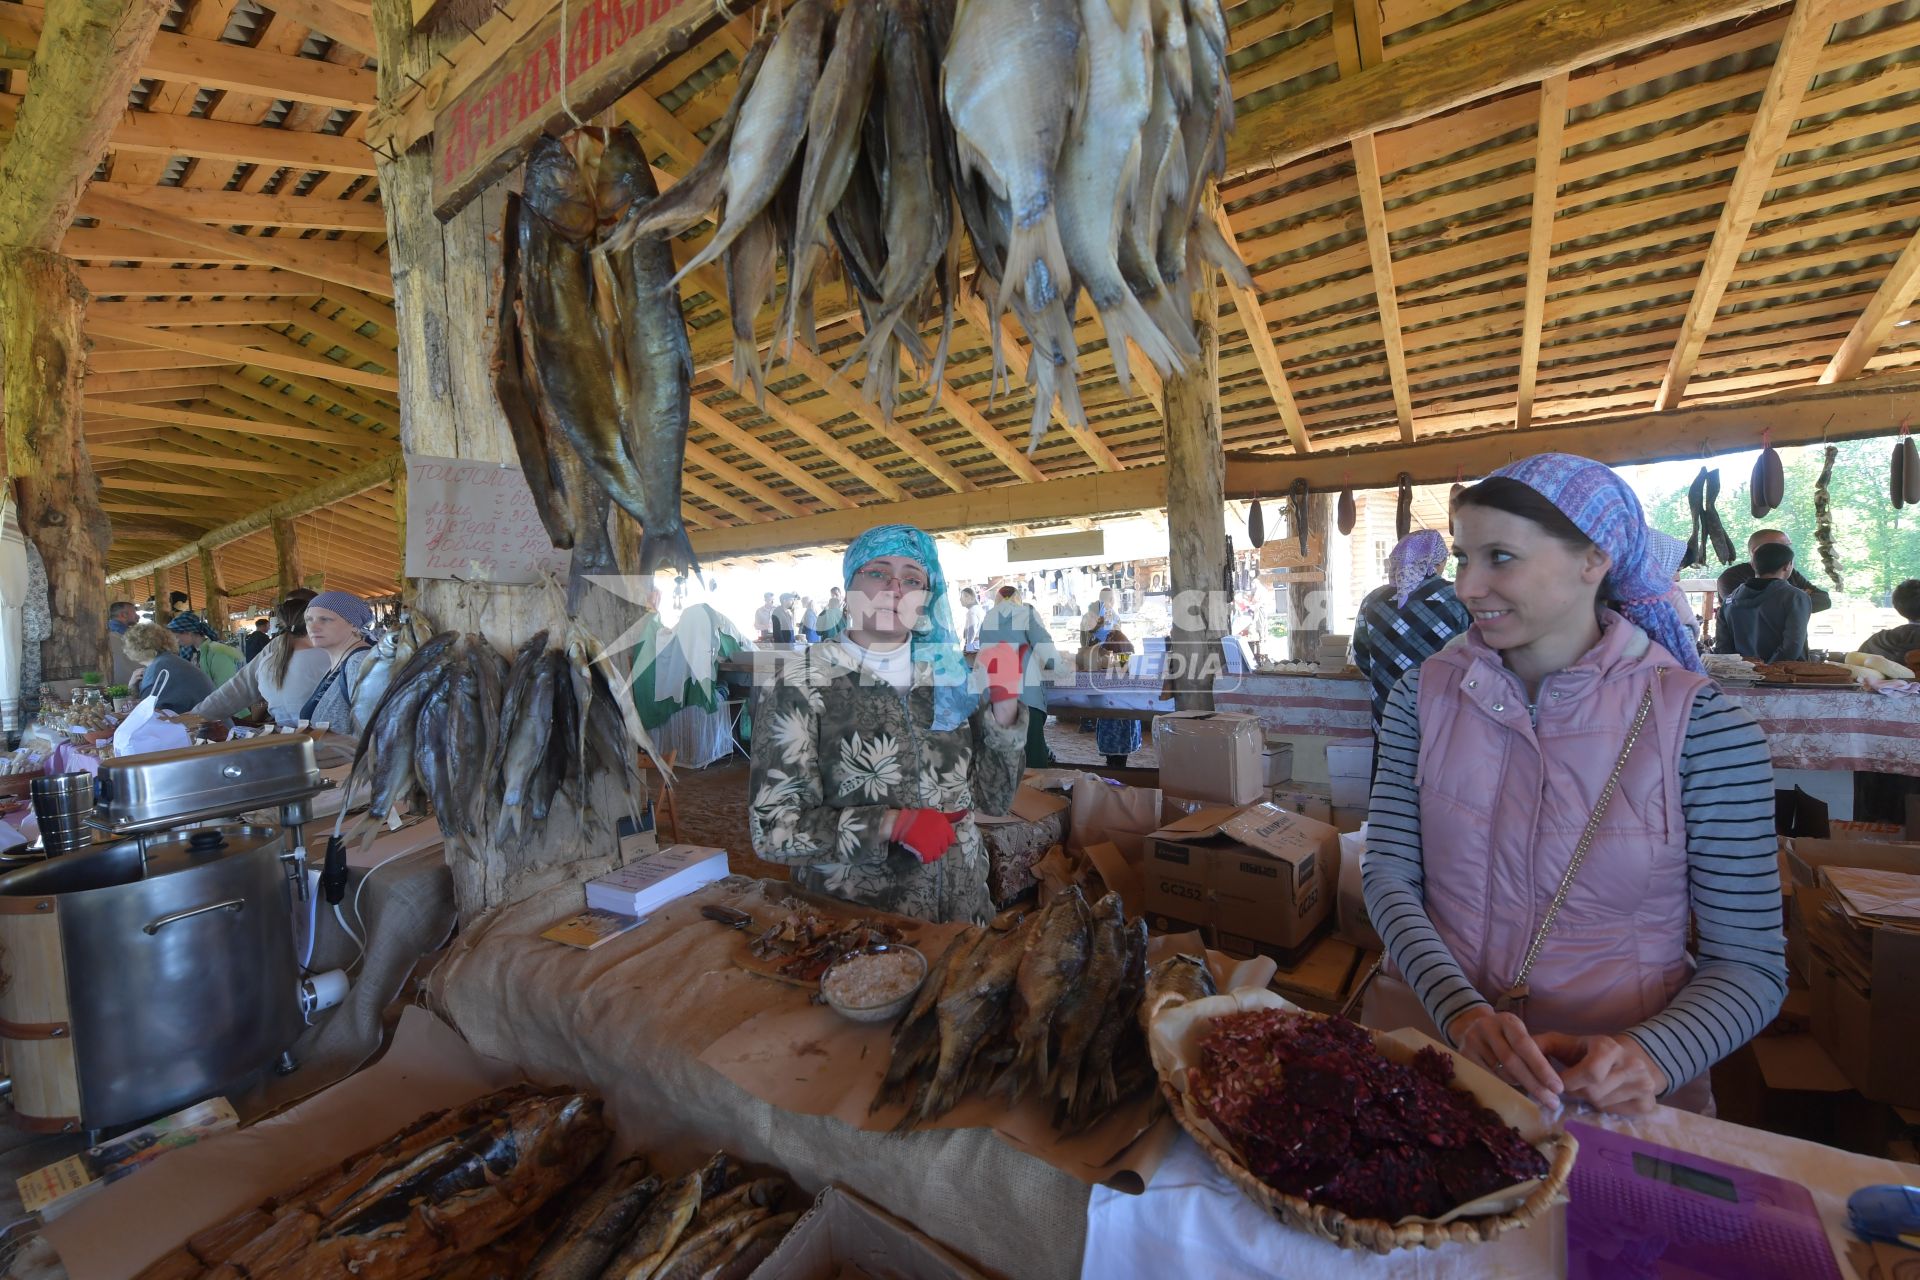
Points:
[1602,506]
[934,640]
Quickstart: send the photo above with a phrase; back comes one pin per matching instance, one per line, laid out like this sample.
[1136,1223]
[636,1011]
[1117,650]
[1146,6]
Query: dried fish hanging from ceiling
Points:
[1073,141]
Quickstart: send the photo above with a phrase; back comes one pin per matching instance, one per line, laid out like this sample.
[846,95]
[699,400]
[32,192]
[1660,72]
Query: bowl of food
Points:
[875,984]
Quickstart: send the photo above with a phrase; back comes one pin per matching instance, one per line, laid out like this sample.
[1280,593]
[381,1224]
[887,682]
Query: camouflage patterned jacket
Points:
[834,748]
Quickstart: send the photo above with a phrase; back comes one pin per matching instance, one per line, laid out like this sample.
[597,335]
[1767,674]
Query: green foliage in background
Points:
[1877,547]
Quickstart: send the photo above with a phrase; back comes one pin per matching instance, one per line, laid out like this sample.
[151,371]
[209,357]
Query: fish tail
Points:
[1205,236]
[746,368]
[1127,320]
[1171,319]
[671,546]
[1036,242]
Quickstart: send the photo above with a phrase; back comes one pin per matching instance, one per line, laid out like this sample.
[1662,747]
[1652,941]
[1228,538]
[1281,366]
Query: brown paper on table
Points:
[807,1059]
[126,1226]
[1877,895]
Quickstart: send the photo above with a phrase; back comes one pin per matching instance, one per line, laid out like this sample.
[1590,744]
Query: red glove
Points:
[1003,663]
[928,832]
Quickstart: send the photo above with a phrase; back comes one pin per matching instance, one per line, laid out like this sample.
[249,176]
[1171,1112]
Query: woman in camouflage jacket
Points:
[872,751]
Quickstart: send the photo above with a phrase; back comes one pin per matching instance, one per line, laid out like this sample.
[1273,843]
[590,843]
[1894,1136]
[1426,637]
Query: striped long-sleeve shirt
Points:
[1733,875]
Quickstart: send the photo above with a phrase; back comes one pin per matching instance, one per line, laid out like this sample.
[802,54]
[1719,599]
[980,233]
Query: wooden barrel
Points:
[35,1028]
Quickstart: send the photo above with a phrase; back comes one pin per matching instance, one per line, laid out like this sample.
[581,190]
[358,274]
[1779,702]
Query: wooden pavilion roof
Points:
[1721,213]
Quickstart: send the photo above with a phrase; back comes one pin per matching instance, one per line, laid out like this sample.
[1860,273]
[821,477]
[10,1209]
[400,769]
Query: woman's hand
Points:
[1608,1073]
[1500,1043]
[927,832]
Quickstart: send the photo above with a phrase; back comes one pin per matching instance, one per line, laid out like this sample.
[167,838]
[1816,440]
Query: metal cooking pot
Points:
[179,971]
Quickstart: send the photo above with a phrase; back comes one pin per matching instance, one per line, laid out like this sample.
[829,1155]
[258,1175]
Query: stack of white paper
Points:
[650,882]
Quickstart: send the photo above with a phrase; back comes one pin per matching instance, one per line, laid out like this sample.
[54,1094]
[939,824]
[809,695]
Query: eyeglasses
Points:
[880,579]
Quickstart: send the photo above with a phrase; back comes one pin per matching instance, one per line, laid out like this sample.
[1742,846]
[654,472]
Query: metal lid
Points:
[107,866]
[162,789]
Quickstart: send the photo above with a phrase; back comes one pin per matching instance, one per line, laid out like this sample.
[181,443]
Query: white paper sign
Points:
[475,521]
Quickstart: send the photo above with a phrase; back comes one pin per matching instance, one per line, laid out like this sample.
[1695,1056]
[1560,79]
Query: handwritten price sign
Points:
[474,521]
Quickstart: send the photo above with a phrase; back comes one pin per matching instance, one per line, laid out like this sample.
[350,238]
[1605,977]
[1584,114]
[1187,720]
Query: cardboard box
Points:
[843,1234]
[1804,856]
[1350,759]
[1347,821]
[1323,979]
[1870,1028]
[1349,900]
[1311,799]
[1351,793]
[1260,878]
[1276,763]
[1214,756]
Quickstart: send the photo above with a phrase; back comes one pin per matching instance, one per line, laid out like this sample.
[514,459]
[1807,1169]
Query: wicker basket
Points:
[1377,1234]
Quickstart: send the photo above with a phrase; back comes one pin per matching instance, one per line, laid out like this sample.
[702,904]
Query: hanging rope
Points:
[565,104]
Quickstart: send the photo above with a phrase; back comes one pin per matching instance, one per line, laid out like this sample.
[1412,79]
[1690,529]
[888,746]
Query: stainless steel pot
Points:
[179,968]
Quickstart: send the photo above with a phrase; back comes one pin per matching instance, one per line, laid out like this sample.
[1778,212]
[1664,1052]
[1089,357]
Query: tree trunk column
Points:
[42,361]
[216,591]
[1307,599]
[1196,523]
[286,556]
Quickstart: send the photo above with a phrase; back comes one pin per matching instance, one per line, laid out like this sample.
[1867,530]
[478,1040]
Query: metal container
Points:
[175,953]
[166,788]
[61,805]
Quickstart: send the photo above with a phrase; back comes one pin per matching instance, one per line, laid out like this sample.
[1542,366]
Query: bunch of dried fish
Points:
[457,729]
[562,721]
[592,369]
[1823,518]
[1072,140]
[447,1186]
[705,1225]
[1048,1002]
[808,942]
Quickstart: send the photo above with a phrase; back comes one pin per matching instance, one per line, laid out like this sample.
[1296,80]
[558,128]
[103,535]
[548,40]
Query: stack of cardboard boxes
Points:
[1861,970]
[1244,856]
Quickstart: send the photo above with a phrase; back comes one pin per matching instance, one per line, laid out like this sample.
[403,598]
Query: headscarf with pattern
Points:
[934,640]
[1602,506]
[1413,560]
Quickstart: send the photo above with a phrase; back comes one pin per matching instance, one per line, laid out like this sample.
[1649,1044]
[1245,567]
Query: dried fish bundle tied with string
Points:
[1071,142]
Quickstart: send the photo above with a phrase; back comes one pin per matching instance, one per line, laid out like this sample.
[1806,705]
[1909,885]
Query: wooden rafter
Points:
[95,405]
[1518,44]
[961,410]
[265,354]
[218,282]
[1793,67]
[348,22]
[329,261]
[973,309]
[842,393]
[729,474]
[252,311]
[1886,309]
[1546,193]
[815,435]
[239,208]
[1366,163]
[705,415]
[1247,302]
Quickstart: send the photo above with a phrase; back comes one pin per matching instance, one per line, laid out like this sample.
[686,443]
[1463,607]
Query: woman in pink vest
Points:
[1559,793]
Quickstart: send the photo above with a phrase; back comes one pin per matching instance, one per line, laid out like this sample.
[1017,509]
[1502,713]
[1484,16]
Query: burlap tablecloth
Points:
[630,1020]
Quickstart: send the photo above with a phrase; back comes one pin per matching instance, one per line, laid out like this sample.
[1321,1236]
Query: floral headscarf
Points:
[1602,506]
[1413,560]
[934,641]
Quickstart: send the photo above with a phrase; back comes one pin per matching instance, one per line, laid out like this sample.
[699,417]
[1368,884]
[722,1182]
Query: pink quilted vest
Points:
[1503,802]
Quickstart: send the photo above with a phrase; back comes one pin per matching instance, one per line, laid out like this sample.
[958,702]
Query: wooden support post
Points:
[445,282]
[42,361]
[216,591]
[1196,503]
[1307,594]
[286,555]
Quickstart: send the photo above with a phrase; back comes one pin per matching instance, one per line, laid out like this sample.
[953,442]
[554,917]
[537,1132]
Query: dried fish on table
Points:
[579,1247]
[807,943]
[658,1231]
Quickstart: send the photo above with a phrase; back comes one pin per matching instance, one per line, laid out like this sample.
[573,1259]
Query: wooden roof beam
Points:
[134,361]
[265,428]
[243,352]
[1374,212]
[705,415]
[244,209]
[1546,194]
[168,135]
[1793,67]
[729,474]
[117,480]
[355,482]
[347,21]
[815,435]
[264,311]
[961,410]
[109,383]
[1521,43]
[335,261]
[88,57]
[1247,303]
[217,64]
[183,282]
[1887,308]
[182,461]
[841,392]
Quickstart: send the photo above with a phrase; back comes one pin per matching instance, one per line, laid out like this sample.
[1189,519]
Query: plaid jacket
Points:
[1389,641]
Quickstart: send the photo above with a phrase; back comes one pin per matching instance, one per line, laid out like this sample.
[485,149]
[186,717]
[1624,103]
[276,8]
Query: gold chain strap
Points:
[1513,997]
